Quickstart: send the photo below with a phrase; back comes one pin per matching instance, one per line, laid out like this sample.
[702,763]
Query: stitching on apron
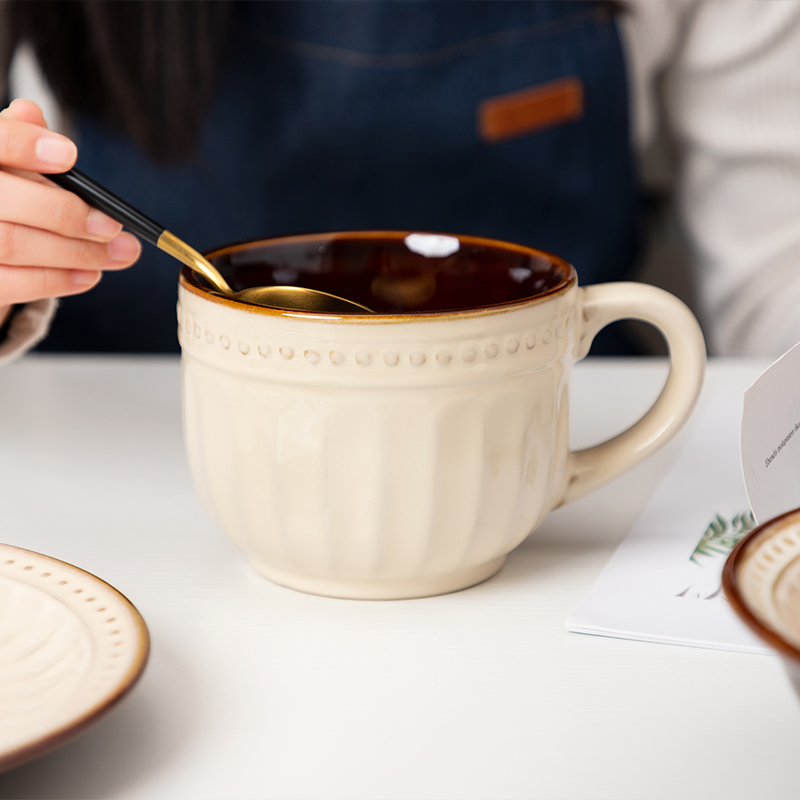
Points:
[451,52]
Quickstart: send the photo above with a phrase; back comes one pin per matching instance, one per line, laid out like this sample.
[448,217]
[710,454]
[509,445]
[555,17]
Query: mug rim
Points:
[187,280]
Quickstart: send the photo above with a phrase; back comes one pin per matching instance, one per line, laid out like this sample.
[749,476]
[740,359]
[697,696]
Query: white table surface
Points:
[256,691]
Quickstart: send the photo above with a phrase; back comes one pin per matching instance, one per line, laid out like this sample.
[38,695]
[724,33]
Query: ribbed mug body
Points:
[377,458]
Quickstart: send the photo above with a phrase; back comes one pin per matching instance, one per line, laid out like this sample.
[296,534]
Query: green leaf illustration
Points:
[721,536]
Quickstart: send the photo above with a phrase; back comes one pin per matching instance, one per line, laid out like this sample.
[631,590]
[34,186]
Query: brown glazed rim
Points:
[730,585]
[73,729]
[187,280]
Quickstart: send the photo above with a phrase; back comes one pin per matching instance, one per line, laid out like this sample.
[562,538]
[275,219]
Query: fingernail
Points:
[56,151]
[101,225]
[81,277]
[124,248]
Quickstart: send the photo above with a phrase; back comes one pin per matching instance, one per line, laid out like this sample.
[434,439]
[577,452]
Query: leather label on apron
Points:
[523,112]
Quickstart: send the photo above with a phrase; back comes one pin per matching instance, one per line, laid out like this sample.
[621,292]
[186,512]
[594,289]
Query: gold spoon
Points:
[294,298]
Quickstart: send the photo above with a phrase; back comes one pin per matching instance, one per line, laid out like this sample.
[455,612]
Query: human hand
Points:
[52,244]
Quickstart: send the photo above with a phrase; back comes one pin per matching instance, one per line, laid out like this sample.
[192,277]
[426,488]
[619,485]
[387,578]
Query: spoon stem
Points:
[99,197]
[177,248]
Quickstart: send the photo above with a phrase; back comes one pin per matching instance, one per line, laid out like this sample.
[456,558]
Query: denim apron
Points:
[362,115]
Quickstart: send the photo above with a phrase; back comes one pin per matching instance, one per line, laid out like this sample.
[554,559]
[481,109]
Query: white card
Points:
[770,438]
[663,582]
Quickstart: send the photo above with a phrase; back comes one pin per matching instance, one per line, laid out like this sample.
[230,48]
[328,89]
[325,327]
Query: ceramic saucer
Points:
[71,647]
[761,580]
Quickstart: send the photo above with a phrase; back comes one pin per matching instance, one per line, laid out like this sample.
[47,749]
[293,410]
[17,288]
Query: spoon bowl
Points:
[293,298]
[299,298]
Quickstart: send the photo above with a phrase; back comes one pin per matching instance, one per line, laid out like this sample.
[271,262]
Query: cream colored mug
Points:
[405,453]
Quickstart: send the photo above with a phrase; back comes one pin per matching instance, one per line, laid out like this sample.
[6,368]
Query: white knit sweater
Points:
[722,79]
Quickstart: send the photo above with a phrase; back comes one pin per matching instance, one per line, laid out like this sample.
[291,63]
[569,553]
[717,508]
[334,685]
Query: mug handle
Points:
[598,306]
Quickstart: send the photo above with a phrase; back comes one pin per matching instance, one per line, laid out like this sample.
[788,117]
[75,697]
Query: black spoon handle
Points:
[99,197]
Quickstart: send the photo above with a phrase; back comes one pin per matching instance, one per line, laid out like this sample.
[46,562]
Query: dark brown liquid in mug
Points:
[380,271]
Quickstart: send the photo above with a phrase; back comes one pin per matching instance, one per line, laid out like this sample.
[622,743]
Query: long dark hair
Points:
[147,67]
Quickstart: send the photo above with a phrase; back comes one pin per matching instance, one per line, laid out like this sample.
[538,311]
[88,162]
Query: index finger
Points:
[26,111]
[24,145]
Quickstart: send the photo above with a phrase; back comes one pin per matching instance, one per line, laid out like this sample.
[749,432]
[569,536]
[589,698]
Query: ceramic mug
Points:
[404,453]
